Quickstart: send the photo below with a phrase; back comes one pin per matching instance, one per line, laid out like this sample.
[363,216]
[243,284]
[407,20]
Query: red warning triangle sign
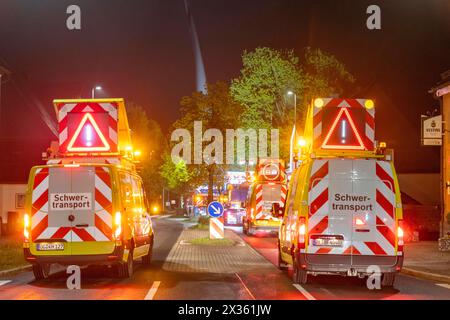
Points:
[343,133]
[88,137]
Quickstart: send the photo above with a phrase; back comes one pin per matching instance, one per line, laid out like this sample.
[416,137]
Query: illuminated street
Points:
[224,158]
[260,281]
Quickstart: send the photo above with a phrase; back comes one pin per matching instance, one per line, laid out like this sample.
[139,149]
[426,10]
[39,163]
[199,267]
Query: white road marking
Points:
[245,287]
[304,292]
[151,293]
[3,282]
[164,216]
[444,285]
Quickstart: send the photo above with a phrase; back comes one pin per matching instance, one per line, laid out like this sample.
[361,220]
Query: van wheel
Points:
[299,276]
[125,270]
[147,259]
[250,230]
[244,227]
[281,264]
[41,272]
[388,279]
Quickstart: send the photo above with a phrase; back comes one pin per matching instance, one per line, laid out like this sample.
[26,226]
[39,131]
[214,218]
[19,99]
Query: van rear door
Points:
[374,220]
[329,230]
[352,209]
[78,205]
[266,195]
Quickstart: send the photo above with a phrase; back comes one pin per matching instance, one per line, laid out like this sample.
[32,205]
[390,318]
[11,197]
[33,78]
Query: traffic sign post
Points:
[215,211]
[431,130]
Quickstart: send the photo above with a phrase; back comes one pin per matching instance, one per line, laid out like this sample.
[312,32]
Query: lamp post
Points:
[291,148]
[94,89]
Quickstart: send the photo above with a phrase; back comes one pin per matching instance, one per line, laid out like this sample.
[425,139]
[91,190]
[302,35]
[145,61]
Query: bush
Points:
[203,220]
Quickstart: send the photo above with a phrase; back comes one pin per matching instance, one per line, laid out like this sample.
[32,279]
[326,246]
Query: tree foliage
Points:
[265,77]
[323,75]
[148,138]
[215,109]
[176,174]
[268,74]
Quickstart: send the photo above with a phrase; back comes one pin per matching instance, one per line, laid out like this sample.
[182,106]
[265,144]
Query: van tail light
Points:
[301,233]
[118,225]
[400,235]
[26,227]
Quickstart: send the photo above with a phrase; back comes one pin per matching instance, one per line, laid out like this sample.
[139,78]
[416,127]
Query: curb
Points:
[4,272]
[426,275]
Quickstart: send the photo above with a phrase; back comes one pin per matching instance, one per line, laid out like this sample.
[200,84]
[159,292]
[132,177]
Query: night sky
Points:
[141,50]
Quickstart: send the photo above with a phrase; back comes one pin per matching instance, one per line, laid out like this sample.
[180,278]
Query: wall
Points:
[446,162]
[422,187]
[8,201]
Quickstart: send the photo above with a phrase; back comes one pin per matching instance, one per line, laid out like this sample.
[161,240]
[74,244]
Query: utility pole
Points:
[291,147]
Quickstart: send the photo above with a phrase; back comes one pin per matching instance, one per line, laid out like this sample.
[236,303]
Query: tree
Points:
[148,138]
[175,173]
[216,110]
[322,76]
[268,74]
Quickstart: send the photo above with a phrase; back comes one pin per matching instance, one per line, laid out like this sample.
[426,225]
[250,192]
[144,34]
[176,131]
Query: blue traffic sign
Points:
[215,209]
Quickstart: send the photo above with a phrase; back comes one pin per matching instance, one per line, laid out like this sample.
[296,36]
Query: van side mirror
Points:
[277,210]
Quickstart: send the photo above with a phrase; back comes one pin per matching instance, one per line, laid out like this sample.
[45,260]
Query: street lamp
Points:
[291,148]
[93,90]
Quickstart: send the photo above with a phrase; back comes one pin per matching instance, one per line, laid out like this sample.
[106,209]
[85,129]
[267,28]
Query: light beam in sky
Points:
[199,66]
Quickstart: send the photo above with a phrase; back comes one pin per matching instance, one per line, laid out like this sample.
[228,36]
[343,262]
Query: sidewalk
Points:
[186,257]
[423,259]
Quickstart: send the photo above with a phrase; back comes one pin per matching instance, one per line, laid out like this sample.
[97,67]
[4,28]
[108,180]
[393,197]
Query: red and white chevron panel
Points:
[319,204]
[259,214]
[103,205]
[216,230]
[283,194]
[100,231]
[109,108]
[367,134]
[39,203]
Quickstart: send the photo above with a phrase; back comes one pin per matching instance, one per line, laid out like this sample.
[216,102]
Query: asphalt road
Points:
[335,287]
[154,282]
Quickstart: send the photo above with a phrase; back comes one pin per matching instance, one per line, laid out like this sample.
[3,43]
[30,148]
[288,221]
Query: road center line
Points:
[3,282]
[151,293]
[304,292]
[444,285]
[246,288]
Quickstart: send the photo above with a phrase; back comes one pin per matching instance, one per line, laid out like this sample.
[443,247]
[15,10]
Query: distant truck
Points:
[234,211]
[268,188]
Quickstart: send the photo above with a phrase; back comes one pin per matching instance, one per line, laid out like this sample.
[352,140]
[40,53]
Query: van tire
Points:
[41,272]
[244,227]
[125,270]
[249,230]
[299,275]
[281,264]
[147,259]
[388,279]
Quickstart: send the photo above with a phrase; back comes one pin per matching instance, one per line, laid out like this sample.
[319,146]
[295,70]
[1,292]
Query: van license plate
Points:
[53,246]
[327,242]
